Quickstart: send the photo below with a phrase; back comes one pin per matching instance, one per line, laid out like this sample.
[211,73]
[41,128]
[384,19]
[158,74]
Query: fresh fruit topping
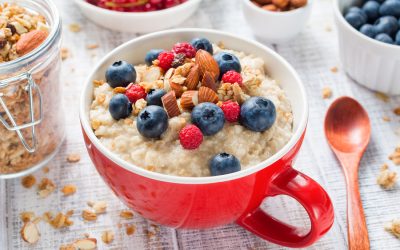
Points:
[152,121]
[227,62]
[189,99]
[120,74]
[387,25]
[207,64]
[207,95]
[120,107]
[356,18]
[190,137]
[170,104]
[384,38]
[390,8]
[368,30]
[184,48]
[202,43]
[135,92]
[136,5]
[208,117]
[154,97]
[152,55]
[371,9]
[258,114]
[178,60]
[232,77]
[224,163]
[231,111]
[165,60]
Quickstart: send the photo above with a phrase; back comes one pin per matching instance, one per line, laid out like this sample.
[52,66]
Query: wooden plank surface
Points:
[313,54]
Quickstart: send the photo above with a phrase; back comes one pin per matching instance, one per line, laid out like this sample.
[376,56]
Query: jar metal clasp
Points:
[12,124]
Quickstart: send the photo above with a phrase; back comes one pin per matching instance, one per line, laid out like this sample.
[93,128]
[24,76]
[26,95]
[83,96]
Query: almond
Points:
[86,244]
[209,81]
[192,79]
[189,99]
[170,104]
[298,3]
[30,41]
[206,63]
[177,88]
[207,95]
[30,233]
[167,77]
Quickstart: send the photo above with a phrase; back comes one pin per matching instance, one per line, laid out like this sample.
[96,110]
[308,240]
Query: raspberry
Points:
[232,77]
[135,92]
[165,59]
[231,111]
[184,48]
[190,137]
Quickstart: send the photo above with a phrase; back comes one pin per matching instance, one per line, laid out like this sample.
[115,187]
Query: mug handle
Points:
[310,195]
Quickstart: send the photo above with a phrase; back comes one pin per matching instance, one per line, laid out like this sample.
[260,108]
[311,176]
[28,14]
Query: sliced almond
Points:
[30,233]
[170,104]
[193,78]
[206,63]
[86,244]
[207,95]
[30,41]
[189,99]
[209,81]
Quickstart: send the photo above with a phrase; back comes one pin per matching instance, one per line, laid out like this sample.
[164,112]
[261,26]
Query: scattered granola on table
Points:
[395,156]
[28,181]
[68,189]
[394,227]
[386,179]
[108,236]
[326,93]
[73,158]
[46,187]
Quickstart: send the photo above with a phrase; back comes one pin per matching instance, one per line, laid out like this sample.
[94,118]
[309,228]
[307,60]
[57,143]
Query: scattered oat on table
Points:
[89,215]
[74,27]
[130,229]
[26,216]
[69,189]
[73,158]
[46,187]
[107,236]
[394,227]
[92,46]
[65,54]
[386,179]
[126,214]
[383,97]
[326,93]
[100,207]
[334,69]
[396,111]
[61,220]
[395,156]
[46,170]
[386,118]
[28,181]
[328,28]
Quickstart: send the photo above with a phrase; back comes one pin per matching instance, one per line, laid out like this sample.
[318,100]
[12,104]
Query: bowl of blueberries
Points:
[369,42]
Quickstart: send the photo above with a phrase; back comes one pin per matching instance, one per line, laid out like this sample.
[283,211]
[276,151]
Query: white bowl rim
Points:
[296,137]
[343,21]
[137,14]
[278,13]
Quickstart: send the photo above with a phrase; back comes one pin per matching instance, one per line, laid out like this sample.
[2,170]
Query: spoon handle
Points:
[357,228]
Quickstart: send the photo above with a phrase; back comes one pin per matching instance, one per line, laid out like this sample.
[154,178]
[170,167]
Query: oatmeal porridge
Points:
[198,110]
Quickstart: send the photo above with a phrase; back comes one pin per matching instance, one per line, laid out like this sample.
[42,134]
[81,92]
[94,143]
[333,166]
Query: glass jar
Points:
[31,111]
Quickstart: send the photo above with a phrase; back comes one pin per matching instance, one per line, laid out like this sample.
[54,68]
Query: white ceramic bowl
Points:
[138,22]
[371,63]
[276,27]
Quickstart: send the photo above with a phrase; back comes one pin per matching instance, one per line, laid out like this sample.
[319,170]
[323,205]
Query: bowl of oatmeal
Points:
[182,123]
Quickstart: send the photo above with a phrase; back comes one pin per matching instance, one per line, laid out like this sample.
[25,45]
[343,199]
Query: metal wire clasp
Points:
[13,126]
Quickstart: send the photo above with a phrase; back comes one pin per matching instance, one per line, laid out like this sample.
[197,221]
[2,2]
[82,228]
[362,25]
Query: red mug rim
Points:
[298,132]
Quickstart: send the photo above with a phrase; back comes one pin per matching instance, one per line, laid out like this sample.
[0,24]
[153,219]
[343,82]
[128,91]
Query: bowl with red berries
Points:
[182,123]
[137,16]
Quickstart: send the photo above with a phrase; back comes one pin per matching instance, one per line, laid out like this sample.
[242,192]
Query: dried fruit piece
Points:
[28,181]
[86,244]
[193,78]
[207,95]
[189,99]
[207,63]
[126,214]
[30,233]
[68,189]
[107,236]
[170,104]
[30,41]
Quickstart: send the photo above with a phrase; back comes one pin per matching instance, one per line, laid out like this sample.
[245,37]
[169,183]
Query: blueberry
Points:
[226,62]
[387,24]
[397,40]
[224,163]
[355,19]
[358,11]
[390,8]
[120,107]
[258,114]
[154,97]
[384,38]
[202,43]
[208,117]
[371,9]
[368,30]
[152,121]
[120,74]
[152,55]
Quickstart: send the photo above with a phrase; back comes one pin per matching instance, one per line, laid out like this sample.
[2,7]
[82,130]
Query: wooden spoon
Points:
[348,130]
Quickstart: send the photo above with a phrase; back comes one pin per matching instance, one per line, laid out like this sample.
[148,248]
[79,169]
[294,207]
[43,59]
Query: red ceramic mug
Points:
[204,202]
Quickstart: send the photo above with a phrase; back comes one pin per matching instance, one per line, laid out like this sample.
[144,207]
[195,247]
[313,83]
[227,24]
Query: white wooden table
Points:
[313,54]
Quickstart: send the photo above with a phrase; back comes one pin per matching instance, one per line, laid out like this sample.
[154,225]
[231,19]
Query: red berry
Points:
[231,111]
[184,48]
[232,77]
[190,137]
[165,60]
[135,92]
